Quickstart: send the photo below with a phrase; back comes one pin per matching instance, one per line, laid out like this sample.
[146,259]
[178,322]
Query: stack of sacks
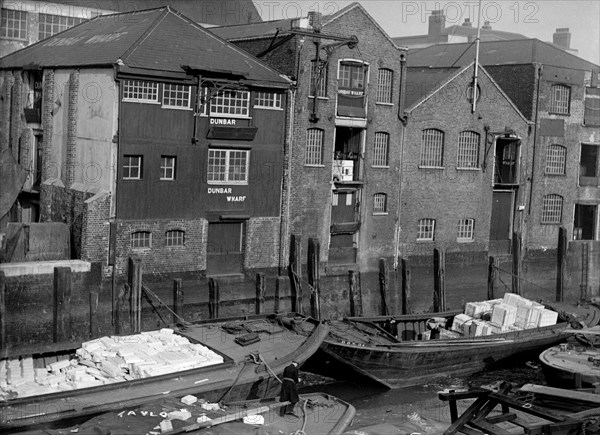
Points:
[107,360]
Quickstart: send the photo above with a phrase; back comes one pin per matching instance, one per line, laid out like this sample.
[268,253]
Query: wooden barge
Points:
[571,366]
[248,371]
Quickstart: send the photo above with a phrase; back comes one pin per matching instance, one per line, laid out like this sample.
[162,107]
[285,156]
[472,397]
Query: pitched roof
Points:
[159,40]
[222,12]
[517,52]
[418,41]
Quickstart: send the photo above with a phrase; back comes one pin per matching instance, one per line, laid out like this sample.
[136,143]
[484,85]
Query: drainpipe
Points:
[538,73]
[402,100]
[313,116]
[114,200]
[286,184]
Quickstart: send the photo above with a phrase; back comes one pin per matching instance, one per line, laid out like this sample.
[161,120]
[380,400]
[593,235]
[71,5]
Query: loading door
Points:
[501,221]
[225,254]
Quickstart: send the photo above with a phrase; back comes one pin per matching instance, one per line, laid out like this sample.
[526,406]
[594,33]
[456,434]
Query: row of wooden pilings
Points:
[127,306]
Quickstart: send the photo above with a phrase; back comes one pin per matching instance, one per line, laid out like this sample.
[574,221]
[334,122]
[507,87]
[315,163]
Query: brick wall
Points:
[262,243]
[96,228]
[47,127]
[5,109]
[72,127]
[16,123]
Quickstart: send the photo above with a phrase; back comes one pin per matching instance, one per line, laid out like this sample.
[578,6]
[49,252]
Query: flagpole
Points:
[476,57]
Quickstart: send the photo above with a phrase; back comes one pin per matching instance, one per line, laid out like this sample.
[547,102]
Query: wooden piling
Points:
[383,277]
[62,304]
[313,277]
[439,285]
[277,297]
[123,310]
[93,313]
[261,290]
[134,279]
[561,263]
[295,272]
[516,263]
[406,308]
[352,292]
[214,298]
[2,310]
[177,300]
[492,281]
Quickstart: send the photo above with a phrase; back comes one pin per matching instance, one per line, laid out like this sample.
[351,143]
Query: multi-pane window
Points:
[426,229]
[13,24]
[468,150]
[314,146]
[175,238]
[132,167]
[228,166]
[352,76]
[235,104]
[560,99]
[141,239]
[315,74]
[269,100]
[432,147]
[384,85]
[380,149]
[465,229]
[176,95]
[552,209]
[140,91]
[52,24]
[167,167]
[380,203]
[556,159]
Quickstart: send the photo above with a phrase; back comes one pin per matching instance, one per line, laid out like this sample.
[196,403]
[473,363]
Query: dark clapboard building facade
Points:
[155,139]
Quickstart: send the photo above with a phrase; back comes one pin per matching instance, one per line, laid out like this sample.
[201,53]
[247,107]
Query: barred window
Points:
[321,86]
[552,209]
[556,159]
[269,100]
[132,167]
[228,166]
[468,150]
[231,103]
[432,147]
[140,91]
[384,85]
[379,203]
[141,239]
[380,149]
[176,96]
[167,167]
[175,238]
[465,230]
[314,146]
[13,24]
[426,229]
[52,24]
[560,99]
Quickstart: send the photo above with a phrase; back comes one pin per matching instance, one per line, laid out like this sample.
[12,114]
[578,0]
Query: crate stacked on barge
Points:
[106,360]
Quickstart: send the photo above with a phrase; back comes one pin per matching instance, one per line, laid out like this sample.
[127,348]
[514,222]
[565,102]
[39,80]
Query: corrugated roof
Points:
[518,52]
[157,39]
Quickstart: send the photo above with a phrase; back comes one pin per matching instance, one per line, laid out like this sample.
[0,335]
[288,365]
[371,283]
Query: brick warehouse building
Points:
[156,139]
[345,154]
[559,93]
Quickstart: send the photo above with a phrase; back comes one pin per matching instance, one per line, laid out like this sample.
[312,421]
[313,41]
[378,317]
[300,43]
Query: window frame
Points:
[380,205]
[146,241]
[314,149]
[422,226]
[381,149]
[169,240]
[352,79]
[148,88]
[556,104]
[164,168]
[128,166]
[219,95]
[185,89]
[385,86]
[5,19]
[226,171]
[469,142]
[322,91]
[56,23]
[548,202]
[555,158]
[424,154]
[465,227]
[275,103]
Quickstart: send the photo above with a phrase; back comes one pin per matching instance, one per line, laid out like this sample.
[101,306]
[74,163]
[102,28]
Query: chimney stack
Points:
[314,19]
[486,25]
[562,37]
[467,23]
[437,24]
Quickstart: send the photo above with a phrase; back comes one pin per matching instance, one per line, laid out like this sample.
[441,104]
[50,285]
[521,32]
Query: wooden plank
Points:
[2,310]
[178,303]
[62,304]
[261,289]
[527,408]
[295,272]
[488,428]
[93,313]
[510,416]
[562,393]
[406,308]
[459,395]
[492,283]
[134,279]
[561,263]
[516,263]
[594,412]
[439,283]
[459,423]
[383,274]
[313,270]
[214,298]
[352,292]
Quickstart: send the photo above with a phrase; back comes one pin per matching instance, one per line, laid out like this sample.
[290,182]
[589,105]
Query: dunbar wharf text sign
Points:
[226,191]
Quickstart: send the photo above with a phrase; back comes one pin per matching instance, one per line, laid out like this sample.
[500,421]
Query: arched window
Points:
[381,149]
[560,99]
[552,209]
[426,229]
[468,150]
[141,239]
[432,147]
[175,238]
[384,85]
[556,159]
[379,203]
[465,230]
[314,146]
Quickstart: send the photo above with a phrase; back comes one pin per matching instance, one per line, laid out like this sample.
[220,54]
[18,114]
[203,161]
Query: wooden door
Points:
[225,249]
